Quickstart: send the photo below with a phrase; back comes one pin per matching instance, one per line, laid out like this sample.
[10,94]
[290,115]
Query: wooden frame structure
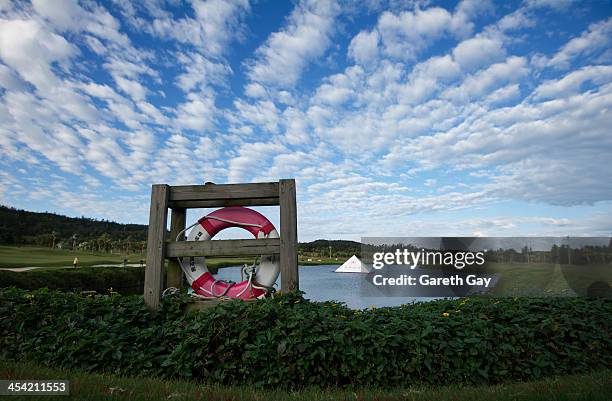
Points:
[181,198]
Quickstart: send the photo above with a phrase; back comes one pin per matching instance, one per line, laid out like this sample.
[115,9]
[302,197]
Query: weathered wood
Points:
[192,204]
[224,191]
[231,247]
[288,236]
[174,274]
[180,198]
[154,272]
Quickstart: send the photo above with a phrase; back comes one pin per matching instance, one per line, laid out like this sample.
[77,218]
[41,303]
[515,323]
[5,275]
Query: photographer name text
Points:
[427,280]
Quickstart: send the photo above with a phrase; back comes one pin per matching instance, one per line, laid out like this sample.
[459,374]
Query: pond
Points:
[321,283]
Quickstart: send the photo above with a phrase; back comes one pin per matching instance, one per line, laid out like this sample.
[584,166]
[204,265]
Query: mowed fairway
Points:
[541,279]
[26,256]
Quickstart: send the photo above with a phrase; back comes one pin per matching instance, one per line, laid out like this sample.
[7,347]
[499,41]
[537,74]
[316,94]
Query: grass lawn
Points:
[85,386]
[26,256]
[314,261]
[541,279]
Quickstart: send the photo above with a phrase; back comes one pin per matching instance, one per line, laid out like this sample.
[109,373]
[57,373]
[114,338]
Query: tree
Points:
[104,242]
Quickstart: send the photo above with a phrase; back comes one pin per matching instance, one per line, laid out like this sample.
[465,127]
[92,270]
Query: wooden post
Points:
[288,236]
[174,274]
[156,246]
[181,198]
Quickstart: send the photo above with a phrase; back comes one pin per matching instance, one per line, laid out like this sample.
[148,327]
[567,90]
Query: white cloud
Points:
[516,20]
[297,129]
[263,114]
[255,90]
[200,72]
[214,25]
[286,53]
[473,53]
[9,79]
[596,38]
[251,159]
[197,112]
[426,78]
[462,23]
[405,35]
[484,81]
[334,95]
[572,82]
[501,95]
[30,49]
[133,88]
[364,47]
[540,151]
[554,4]
[65,14]
[217,19]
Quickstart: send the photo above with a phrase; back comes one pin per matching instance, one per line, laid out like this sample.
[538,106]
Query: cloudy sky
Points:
[395,118]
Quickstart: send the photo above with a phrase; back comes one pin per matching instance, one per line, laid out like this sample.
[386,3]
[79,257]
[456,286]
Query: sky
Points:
[395,118]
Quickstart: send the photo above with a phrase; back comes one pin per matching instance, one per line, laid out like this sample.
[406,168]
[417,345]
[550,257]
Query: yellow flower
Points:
[446,314]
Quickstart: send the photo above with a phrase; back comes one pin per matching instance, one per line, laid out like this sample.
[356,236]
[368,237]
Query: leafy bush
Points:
[128,280]
[290,342]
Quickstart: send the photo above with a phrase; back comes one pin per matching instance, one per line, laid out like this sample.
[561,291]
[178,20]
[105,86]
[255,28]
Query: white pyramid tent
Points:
[353,265]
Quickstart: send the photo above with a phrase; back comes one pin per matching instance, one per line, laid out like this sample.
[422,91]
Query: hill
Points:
[22,227]
[31,228]
[320,247]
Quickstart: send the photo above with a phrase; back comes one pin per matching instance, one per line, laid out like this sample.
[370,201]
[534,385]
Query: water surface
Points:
[321,283]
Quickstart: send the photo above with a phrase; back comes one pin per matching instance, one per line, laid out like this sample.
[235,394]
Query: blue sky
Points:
[395,118]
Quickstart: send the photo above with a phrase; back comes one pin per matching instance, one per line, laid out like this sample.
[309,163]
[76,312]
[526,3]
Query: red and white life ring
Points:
[262,277]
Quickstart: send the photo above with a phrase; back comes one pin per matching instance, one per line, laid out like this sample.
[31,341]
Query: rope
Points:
[170,291]
[183,231]
[251,274]
[238,223]
[212,288]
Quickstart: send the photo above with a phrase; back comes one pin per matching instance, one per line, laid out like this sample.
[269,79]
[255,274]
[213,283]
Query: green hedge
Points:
[128,280]
[290,342]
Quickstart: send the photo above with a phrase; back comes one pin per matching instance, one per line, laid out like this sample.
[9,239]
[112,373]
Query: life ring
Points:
[261,278]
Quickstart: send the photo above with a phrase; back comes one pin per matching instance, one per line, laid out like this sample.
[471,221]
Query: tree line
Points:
[563,254]
[21,227]
[321,248]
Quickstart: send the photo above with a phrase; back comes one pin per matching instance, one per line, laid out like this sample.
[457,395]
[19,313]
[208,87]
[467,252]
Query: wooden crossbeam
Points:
[224,191]
[194,203]
[230,247]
